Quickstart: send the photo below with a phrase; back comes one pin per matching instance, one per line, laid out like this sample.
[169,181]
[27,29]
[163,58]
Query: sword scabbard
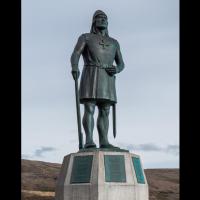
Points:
[114,120]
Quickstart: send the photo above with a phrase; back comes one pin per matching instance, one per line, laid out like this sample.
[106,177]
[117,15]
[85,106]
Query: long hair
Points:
[93,27]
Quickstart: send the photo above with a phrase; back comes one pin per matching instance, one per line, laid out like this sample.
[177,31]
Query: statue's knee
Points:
[105,110]
[89,108]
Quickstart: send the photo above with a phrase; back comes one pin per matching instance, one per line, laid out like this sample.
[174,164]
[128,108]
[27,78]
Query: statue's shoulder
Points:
[114,41]
[86,36]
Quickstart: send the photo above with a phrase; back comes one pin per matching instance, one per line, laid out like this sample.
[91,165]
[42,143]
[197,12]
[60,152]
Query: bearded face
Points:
[101,21]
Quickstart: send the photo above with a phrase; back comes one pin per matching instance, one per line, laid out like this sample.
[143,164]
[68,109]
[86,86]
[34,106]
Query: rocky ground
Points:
[39,179]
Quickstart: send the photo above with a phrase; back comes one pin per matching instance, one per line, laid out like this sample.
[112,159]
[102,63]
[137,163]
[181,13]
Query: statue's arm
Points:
[77,53]
[118,59]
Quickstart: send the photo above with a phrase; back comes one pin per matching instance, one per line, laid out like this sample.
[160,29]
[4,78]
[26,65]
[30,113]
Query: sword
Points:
[114,117]
[80,134]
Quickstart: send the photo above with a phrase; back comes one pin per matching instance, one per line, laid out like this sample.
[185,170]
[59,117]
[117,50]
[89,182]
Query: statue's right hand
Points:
[75,74]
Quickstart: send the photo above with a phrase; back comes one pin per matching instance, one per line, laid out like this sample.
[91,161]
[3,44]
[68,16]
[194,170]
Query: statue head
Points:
[99,21]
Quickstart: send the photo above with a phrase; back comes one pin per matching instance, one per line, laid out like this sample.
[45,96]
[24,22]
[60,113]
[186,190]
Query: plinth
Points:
[102,175]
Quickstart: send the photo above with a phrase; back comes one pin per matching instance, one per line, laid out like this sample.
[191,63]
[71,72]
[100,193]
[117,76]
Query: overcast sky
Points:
[147,89]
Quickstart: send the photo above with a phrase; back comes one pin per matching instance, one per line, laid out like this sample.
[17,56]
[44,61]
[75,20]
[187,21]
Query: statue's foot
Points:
[90,145]
[108,146]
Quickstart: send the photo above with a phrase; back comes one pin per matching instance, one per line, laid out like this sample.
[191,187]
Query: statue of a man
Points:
[97,85]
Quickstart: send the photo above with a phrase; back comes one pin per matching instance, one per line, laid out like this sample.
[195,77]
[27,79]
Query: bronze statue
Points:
[97,85]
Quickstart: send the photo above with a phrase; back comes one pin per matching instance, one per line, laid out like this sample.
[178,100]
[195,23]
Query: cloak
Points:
[99,52]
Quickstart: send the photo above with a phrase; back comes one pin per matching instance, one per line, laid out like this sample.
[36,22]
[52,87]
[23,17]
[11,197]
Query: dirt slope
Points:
[39,179]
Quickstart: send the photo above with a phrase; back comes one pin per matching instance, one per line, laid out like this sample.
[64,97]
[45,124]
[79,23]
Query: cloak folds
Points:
[99,52]
[100,85]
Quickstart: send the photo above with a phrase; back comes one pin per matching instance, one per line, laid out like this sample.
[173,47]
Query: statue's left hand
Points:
[111,70]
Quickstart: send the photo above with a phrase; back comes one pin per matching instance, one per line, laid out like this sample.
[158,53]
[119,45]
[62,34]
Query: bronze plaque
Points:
[81,170]
[114,168]
[138,170]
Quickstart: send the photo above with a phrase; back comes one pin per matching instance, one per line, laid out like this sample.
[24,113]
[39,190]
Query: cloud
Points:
[142,147]
[146,147]
[26,156]
[42,150]
[171,149]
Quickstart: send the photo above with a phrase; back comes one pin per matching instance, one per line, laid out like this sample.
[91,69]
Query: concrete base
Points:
[97,188]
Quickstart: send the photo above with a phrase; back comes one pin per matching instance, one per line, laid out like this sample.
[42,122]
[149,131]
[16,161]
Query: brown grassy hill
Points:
[163,183]
[39,179]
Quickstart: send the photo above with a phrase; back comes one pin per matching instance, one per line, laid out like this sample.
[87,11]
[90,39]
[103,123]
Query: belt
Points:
[103,66]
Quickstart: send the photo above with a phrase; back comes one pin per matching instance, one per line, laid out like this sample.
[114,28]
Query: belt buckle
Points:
[105,66]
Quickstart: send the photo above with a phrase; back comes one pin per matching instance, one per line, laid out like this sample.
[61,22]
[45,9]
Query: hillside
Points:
[39,179]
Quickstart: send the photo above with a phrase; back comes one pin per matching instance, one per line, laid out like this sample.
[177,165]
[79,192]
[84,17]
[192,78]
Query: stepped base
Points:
[102,175]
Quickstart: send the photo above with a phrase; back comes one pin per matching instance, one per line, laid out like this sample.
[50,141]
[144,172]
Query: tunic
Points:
[99,52]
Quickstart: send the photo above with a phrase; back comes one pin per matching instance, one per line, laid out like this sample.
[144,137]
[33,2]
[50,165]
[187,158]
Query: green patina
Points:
[103,62]
[114,168]
[138,170]
[81,170]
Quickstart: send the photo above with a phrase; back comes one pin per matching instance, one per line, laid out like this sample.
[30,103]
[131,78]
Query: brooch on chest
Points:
[103,44]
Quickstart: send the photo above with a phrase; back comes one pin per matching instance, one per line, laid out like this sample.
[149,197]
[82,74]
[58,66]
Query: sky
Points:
[147,89]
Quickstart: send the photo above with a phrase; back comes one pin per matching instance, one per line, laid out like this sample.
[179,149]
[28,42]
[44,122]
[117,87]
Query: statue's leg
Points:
[88,124]
[103,125]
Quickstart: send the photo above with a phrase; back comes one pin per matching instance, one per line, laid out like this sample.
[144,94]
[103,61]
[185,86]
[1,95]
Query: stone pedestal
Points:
[102,175]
